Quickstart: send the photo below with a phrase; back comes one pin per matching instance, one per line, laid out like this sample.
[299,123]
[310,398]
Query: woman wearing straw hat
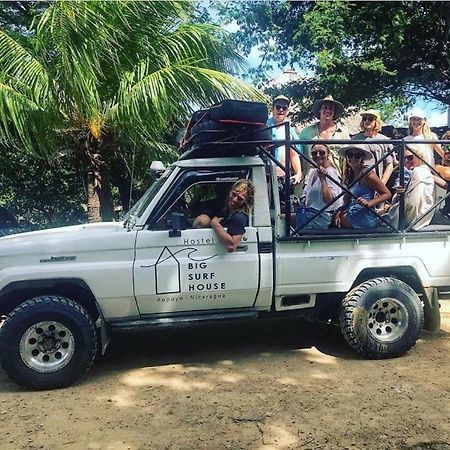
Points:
[327,110]
[367,192]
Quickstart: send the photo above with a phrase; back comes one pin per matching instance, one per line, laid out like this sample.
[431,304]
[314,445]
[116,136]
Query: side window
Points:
[195,193]
[200,198]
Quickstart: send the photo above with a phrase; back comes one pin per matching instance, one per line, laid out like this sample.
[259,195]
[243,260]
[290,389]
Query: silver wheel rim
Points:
[387,320]
[47,346]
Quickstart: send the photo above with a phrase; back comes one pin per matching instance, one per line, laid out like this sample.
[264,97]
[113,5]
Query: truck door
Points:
[192,271]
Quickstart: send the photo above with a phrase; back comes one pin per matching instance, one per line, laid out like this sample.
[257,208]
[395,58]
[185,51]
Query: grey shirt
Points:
[378,151]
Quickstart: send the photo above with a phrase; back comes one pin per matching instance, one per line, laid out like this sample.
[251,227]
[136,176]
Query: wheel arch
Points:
[15,293]
[407,274]
[329,305]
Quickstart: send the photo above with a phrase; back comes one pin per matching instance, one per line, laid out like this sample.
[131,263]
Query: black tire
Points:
[381,318]
[47,342]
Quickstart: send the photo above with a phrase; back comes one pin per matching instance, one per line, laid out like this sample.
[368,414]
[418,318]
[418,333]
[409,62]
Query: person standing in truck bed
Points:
[280,111]
[370,130]
[327,110]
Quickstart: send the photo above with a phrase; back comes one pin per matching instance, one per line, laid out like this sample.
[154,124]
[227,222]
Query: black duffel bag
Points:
[222,129]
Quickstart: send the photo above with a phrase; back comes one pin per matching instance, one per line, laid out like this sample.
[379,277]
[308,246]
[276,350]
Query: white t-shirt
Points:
[428,148]
[313,190]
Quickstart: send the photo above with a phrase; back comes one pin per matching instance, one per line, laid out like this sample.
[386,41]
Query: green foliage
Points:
[362,52]
[43,192]
[110,79]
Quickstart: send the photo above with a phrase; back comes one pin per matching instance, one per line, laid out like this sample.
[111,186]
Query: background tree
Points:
[109,80]
[47,193]
[362,52]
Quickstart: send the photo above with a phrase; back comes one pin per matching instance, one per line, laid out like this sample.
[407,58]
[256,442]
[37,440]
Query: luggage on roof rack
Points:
[225,129]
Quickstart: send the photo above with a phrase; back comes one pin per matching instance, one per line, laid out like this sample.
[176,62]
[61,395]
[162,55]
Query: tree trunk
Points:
[105,195]
[99,196]
[100,204]
[93,200]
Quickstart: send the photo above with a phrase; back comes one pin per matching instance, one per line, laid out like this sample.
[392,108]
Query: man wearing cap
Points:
[327,110]
[370,126]
[280,110]
[420,131]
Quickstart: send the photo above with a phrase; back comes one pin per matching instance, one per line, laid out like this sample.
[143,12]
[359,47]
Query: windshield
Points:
[141,205]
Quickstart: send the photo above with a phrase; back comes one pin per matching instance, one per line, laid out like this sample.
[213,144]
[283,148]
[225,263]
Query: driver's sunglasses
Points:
[281,107]
[351,155]
[368,118]
[238,195]
[409,158]
[318,152]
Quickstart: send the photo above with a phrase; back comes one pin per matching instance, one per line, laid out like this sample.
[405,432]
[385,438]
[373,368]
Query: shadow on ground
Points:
[213,342]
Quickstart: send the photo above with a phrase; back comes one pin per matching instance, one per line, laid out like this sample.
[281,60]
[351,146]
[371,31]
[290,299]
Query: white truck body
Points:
[140,272]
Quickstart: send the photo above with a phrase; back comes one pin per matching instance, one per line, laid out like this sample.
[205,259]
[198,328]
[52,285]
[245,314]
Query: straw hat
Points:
[371,112]
[367,154]
[338,106]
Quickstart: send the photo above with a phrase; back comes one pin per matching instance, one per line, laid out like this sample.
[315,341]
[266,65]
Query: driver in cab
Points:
[233,216]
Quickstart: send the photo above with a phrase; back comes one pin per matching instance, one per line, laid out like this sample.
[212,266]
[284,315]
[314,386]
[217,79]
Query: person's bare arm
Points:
[327,195]
[296,165]
[229,242]
[387,173]
[372,181]
[438,181]
[438,149]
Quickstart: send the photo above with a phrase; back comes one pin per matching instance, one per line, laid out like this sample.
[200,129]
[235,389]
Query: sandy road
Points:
[258,385]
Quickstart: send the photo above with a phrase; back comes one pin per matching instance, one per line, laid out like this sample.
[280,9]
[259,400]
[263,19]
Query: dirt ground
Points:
[258,385]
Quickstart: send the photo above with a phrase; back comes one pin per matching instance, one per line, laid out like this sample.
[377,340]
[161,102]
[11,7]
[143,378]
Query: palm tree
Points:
[109,79]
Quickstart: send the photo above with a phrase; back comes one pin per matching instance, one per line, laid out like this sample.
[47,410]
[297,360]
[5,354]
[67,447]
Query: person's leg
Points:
[345,223]
[202,221]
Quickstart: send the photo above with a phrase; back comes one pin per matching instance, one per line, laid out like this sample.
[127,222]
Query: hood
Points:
[63,241]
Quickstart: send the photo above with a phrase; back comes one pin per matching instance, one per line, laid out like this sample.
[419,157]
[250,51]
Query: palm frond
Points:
[172,92]
[18,63]
[23,123]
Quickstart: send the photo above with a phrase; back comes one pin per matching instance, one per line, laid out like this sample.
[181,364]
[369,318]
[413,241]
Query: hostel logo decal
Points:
[167,270]
[167,273]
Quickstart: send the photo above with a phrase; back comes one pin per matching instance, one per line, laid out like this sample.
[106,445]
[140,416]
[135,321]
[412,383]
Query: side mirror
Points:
[156,170]
[178,222]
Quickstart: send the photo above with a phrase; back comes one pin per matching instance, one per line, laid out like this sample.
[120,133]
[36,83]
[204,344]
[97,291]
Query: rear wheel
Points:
[381,318]
[47,342]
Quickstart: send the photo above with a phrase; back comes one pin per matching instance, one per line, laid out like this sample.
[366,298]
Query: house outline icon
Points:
[167,273]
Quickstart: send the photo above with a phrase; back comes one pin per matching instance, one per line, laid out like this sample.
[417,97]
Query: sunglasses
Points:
[318,152]
[351,155]
[281,107]
[368,118]
[409,158]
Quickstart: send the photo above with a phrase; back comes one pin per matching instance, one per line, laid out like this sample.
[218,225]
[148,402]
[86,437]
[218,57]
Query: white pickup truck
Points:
[62,291]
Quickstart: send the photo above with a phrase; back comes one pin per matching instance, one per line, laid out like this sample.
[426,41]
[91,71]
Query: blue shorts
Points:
[360,217]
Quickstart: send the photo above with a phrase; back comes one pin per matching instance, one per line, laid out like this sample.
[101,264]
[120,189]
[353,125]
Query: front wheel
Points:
[381,318]
[47,342]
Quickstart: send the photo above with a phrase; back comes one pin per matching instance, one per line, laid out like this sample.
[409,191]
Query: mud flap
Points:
[102,332]
[431,307]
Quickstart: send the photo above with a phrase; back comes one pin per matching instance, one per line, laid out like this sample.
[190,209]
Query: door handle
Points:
[241,248]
